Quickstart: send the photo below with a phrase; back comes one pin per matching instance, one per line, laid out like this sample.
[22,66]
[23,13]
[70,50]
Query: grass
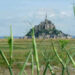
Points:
[26,45]
[54,53]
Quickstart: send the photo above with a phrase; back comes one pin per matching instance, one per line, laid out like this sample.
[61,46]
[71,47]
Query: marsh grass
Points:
[10,41]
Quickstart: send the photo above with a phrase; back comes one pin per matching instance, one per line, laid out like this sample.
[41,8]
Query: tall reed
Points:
[25,63]
[61,61]
[35,51]
[48,66]
[69,55]
[32,66]
[6,61]
[10,42]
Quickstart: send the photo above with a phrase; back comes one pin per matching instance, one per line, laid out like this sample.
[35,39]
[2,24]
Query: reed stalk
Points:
[35,51]
[6,61]
[32,66]
[25,63]
[10,42]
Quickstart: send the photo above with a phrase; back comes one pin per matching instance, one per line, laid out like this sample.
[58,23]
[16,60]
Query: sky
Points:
[24,14]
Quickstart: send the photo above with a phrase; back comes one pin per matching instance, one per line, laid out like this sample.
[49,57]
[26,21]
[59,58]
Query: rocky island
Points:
[47,29]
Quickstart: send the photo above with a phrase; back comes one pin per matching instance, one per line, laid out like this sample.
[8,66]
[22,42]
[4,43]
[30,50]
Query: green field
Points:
[23,46]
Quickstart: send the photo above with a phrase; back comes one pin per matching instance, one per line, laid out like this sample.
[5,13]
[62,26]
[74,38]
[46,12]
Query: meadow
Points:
[21,48]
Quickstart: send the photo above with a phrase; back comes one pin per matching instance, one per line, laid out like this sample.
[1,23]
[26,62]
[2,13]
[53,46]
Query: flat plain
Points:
[23,46]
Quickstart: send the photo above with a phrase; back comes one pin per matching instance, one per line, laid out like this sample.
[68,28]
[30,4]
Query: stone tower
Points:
[48,24]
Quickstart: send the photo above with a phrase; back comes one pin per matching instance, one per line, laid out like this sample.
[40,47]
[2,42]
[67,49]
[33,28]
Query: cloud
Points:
[41,13]
[52,15]
[65,14]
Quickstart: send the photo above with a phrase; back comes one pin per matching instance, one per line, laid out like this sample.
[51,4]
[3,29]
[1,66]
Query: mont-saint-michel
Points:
[47,29]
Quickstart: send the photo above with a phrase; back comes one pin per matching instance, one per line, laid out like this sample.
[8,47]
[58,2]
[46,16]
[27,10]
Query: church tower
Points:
[46,17]
[46,22]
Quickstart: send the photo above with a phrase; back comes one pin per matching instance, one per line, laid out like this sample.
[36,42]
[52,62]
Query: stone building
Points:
[47,29]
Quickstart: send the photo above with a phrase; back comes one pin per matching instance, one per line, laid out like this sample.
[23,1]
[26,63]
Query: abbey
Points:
[47,29]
